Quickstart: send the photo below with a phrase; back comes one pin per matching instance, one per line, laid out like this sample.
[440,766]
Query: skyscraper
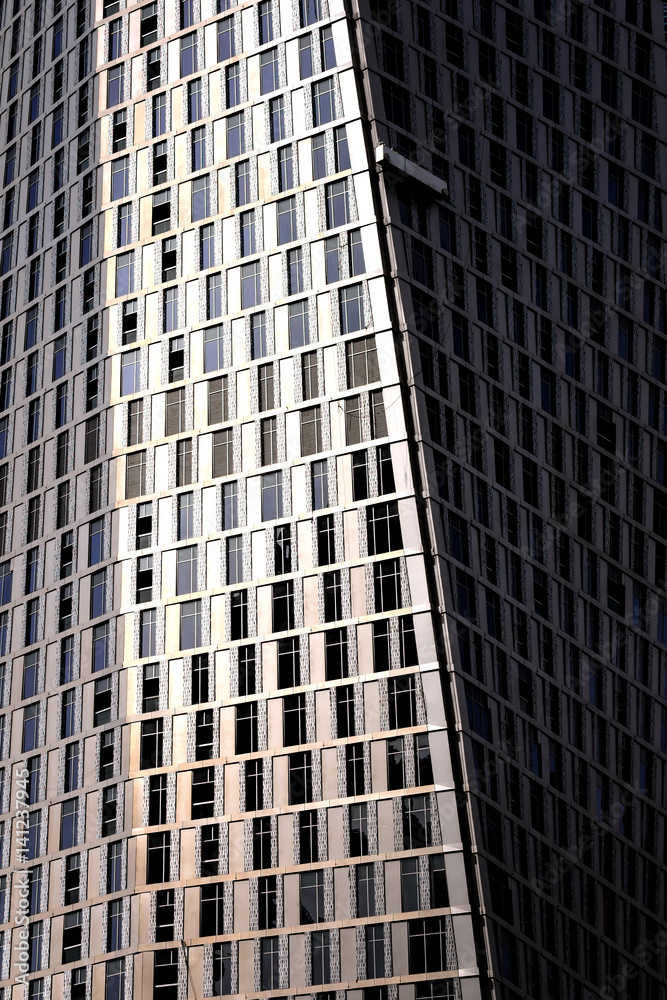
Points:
[531,304]
[333,508]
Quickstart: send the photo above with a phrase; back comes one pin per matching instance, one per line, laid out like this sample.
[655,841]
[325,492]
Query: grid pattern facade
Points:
[221,678]
[532,311]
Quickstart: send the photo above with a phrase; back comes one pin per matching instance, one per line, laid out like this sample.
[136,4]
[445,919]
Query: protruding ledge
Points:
[385,154]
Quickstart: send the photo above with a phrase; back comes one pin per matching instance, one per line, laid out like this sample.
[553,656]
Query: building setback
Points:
[333,500]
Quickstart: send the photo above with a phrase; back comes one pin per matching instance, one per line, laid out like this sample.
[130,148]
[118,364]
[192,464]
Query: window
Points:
[100,647]
[300,778]
[175,411]
[67,717]
[107,744]
[333,597]
[283,606]
[320,960]
[268,71]
[312,897]
[188,54]
[235,135]
[149,24]
[190,624]
[69,822]
[366,890]
[159,115]
[277,118]
[272,496]
[102,702]
[246,670]
[222,968]
[151,688]
[164,915]
[223,452]
[306,58]
[385,470]
[109,810]
[160,166]
[195,98]
[265,21]
[258,343]
[161,216]
[265,387]
[261,836]
[157,799]
[235,559]
[151,744]
[243,194]
[214,296]
[251,290]
[124,233]
[395,763]
[375,951]
[210,850]
[384,528]
[354,763]
[211,914]
[402,702]
[311,430]
[326,549]
[362,363]
[114,867]
[267,903]
[332,260]
[213,349]
[416,821]
[356,252]
[72,928]
[427,944]
[203,792]
[30,728]
[324,109]
[310,12]
[387,577]
[247,233]
[299,331]
[201,200]
[144,525]
[186,570]
[96,541]
[114,86]
[335,656]
[148,632]
[125,273]
[337,204]
[130,372]
[185,504]
[287,220]
[309,375]
[207,247]
[288,663]
[254,785]
[225,39]
[165,974]
[246,728]
[199,155]
[351,309]
[285,178]
[72,878]
[328,52]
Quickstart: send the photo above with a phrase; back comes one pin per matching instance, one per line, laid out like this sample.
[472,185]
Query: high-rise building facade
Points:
[333,500]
